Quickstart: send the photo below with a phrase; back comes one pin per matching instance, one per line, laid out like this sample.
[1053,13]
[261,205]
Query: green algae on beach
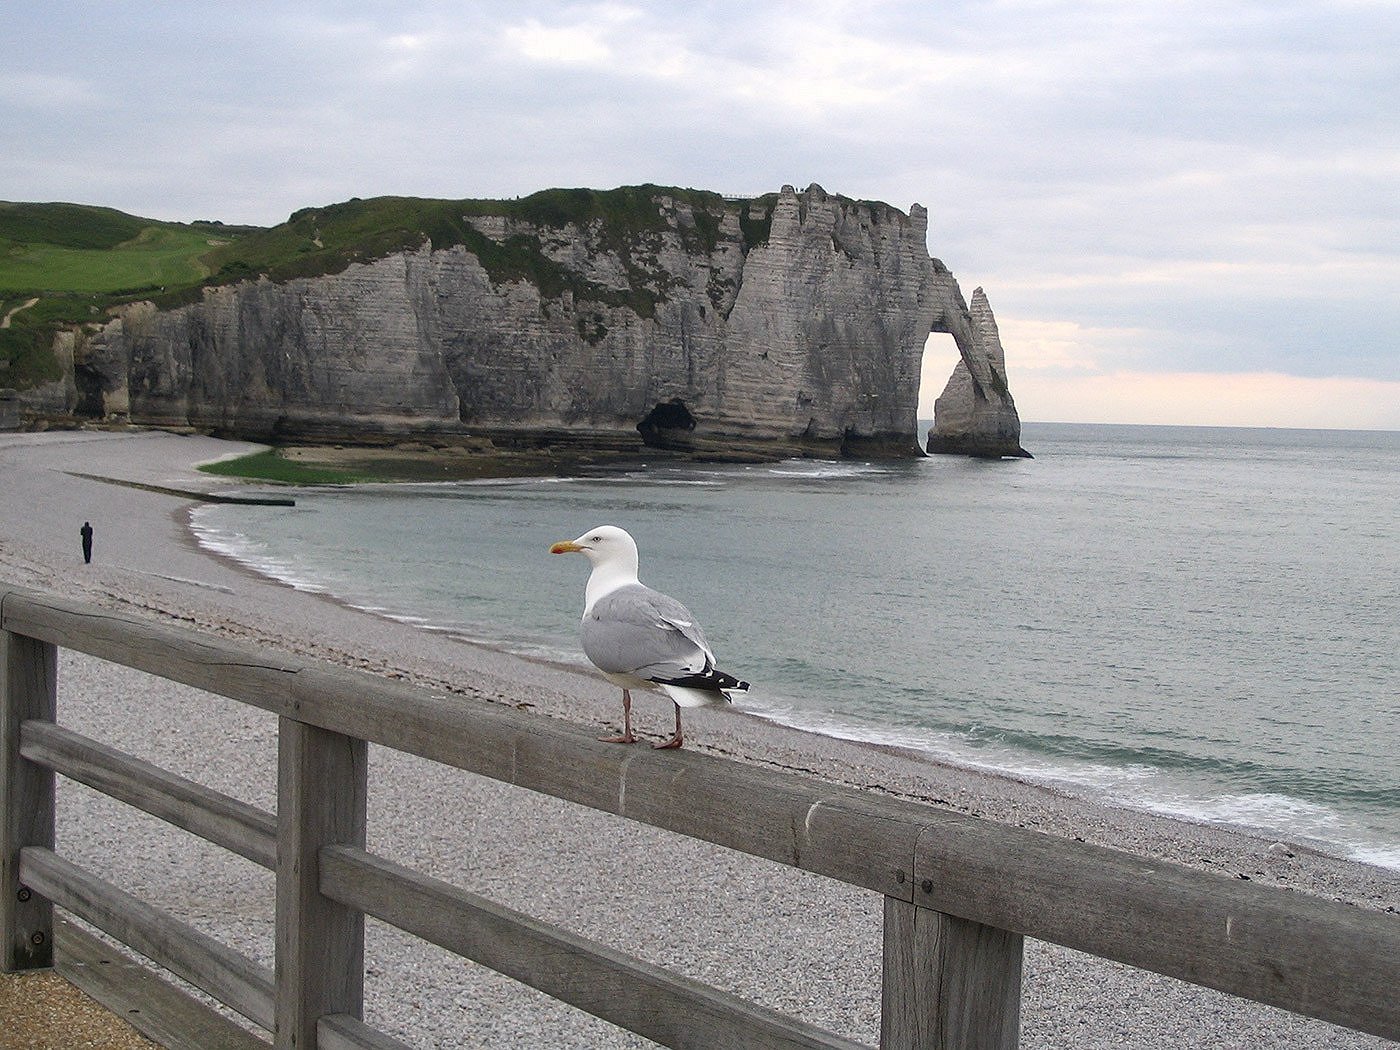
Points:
[271,465]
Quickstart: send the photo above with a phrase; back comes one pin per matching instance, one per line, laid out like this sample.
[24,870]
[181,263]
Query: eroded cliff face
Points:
[795,321]
[975,415]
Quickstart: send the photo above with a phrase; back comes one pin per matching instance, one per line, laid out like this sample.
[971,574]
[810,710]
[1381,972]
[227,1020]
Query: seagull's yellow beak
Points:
[567,547]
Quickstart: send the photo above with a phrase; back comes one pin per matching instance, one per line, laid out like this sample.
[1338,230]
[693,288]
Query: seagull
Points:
[640,638]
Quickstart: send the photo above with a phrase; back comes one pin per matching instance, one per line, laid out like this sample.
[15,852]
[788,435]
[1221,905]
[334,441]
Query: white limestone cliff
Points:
[975,415]
[794,321]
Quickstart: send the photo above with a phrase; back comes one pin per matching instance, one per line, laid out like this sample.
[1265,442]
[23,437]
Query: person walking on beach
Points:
[86,533]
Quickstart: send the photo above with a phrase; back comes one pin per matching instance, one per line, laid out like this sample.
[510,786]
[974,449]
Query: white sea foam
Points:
[823,469]
[254,555]
[1322,827]
[1379,856]
[1137,786]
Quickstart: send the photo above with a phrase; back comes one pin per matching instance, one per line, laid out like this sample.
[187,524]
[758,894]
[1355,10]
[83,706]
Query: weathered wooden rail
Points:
[960,893]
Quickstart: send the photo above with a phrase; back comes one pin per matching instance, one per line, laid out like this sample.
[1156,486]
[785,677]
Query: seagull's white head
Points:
[613,555]
[605,545]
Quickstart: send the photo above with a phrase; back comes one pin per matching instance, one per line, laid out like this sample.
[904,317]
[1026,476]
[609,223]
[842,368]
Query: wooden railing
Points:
[960,893]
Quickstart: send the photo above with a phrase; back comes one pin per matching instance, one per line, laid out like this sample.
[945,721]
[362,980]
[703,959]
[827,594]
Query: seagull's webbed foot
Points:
[676,738]
[627,737]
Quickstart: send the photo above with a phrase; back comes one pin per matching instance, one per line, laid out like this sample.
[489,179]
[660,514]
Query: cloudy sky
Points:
[1182,212]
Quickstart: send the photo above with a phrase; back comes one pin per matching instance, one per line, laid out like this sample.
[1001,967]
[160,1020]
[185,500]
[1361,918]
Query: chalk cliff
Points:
[975,415]
[791,322]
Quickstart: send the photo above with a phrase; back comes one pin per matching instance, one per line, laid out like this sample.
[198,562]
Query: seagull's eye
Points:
[595,539]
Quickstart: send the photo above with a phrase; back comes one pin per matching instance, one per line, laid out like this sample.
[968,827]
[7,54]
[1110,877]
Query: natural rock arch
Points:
[975,415]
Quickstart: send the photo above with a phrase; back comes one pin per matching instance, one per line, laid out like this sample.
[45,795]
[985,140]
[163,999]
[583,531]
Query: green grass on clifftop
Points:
[80,261]
[156,257]
[58,248]
[314,242]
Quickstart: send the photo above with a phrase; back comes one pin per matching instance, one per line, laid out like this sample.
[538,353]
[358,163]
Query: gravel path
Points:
[42,1011]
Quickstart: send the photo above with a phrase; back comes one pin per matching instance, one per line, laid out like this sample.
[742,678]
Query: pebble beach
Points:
[790,941]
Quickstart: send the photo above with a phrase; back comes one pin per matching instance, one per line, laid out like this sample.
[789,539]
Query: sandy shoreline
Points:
[791,941]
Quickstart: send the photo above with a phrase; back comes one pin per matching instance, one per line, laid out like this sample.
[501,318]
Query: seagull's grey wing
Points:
[636,630]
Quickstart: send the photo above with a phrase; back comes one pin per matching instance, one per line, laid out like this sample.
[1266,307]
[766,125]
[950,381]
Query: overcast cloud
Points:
[1174,208]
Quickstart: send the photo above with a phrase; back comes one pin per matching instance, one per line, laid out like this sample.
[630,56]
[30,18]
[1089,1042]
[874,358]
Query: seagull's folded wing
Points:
[636,630]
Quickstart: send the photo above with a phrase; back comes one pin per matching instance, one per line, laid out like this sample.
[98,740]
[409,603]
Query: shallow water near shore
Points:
[1198,621]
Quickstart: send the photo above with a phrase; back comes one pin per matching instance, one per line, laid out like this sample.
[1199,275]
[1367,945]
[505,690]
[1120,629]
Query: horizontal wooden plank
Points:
[225,821]
[343,1032]
[231,978]
[827,829]
[154,1007]
[254,675]
[861,839]
[1305,954]
[670,1009]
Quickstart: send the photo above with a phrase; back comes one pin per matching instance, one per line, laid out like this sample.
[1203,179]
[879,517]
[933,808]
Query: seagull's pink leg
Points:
[676,740]
[626,737]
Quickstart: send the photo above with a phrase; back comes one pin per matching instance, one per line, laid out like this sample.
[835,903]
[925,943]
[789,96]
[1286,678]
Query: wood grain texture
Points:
[798,821]
[225,821]
[824,828]
[949,984]
[138,995]
[343,1032]
[321,800]
[231,978]
[217,665]
[28,691]
[667,1008]
[1312,956]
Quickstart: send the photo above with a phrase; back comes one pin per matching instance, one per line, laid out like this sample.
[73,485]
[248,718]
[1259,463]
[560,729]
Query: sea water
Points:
[1194,621]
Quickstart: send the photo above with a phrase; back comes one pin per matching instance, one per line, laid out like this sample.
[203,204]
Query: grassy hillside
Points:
[60,248]
[155,257]
[67,225]
[78,261]
[64,264]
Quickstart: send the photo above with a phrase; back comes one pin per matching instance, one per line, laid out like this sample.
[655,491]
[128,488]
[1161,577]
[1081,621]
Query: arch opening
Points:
[941,356]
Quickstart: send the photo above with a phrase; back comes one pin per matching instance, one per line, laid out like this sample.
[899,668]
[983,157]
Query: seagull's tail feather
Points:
[707,687]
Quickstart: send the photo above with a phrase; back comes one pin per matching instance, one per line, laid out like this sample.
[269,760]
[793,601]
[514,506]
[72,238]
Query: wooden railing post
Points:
[949,983]
[28,690]
[321,798]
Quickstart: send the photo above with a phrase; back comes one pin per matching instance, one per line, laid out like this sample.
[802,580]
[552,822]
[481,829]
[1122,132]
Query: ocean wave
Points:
[242,550]
[1377,856]
[1260,809]
[648,479]
[248,553]
[1133,785]
[1319,826]
[823,469]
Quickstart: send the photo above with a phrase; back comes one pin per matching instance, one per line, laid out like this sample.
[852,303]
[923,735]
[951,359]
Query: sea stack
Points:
[975,415]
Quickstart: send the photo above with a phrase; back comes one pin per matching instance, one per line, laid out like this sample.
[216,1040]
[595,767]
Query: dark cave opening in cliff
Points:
[88,382]
[669,424]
